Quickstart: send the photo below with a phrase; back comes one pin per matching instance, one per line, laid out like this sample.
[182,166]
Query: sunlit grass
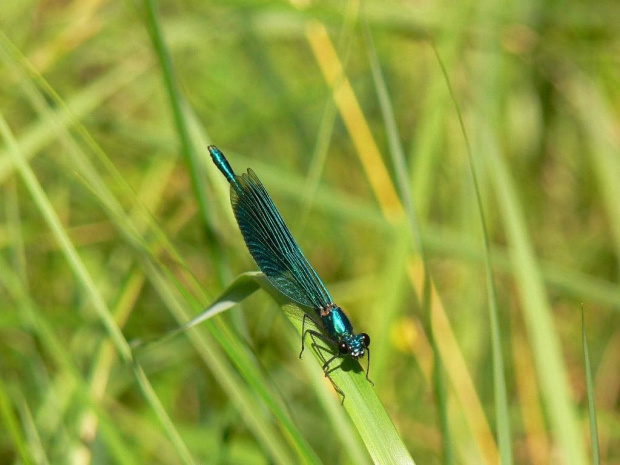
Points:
[115,227]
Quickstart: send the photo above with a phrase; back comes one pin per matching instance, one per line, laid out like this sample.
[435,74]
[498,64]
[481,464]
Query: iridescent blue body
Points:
[276,253]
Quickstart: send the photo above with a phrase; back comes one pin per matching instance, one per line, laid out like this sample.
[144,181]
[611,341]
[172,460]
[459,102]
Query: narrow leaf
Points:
[361,402]
[591,409]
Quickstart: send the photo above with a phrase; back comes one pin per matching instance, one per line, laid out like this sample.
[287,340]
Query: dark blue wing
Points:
[272,245]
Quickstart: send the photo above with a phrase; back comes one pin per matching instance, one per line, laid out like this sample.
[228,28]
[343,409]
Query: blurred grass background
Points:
[109,235]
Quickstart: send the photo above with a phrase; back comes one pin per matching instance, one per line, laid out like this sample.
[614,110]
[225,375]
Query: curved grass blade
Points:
[117,214]
[400,168]
[499,376]
[86,280]
[258,419]
[362,404]
[12,425]
[181,121]
[536,309]
[240,289]
[596,459]
[406,195]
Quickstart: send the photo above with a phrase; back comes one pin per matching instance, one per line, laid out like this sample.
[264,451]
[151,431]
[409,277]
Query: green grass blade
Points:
[11,423]
[47,210]
[499,376]
[600,124]
[537,311]
[243,396]
[362,404]
[131,232]
[536,308]
[239,290]
[398,159]
[162,415]
[596,459]
[396,149]
[439,384]
[79,268]
[236,292]
[182,124]
[35,446]
[44,131]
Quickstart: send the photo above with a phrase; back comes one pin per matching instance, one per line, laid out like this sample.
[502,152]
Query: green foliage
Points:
[116,228]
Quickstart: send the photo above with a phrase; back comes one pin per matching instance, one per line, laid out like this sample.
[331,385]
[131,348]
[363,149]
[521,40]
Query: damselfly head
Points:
[354,345]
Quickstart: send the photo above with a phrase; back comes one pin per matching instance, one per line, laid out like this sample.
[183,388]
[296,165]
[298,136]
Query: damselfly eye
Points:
[366,339]
[343,348]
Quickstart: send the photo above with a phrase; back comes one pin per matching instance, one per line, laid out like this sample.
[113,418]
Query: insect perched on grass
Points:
[281,260]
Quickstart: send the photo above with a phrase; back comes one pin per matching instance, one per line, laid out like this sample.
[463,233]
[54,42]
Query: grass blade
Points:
[499,376]
[46,209]
[11,423]
[398,159]
[362,404]
[537,311]
[182,124]
[596,459]
[82,273]
[236,292]
[133,234]
[536,308]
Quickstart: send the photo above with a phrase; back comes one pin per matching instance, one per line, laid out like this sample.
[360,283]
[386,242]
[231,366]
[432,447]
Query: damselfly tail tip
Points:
[220,161]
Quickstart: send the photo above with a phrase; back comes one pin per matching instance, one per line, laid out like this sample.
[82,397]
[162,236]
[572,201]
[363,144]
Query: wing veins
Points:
[257,213]
[312,279]
[267,244]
